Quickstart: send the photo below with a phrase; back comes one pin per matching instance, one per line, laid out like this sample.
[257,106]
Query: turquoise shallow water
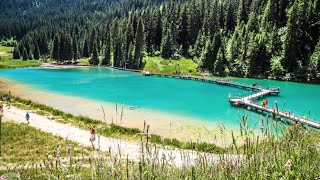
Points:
[203,101]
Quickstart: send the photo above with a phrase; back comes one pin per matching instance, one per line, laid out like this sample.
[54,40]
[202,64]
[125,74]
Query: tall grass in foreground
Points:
[295,154]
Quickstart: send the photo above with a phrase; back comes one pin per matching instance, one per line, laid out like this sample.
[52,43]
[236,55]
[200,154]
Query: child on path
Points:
[93,133]
[27,117]
[8,101]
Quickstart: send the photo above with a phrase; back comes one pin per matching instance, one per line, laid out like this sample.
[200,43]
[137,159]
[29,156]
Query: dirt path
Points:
[175,157]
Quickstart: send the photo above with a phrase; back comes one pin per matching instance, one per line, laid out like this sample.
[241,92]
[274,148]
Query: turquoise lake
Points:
[203,101]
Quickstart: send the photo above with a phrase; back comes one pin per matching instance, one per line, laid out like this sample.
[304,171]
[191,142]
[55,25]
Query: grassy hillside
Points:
[163,66]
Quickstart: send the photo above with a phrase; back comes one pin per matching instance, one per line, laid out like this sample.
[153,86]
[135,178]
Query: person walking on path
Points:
[8,101]
[93,133]
[27,117]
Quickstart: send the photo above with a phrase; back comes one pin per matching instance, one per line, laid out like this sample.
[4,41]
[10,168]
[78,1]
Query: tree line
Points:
[243,38]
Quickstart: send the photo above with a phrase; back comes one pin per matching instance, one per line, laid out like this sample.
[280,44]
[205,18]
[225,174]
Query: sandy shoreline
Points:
[165,124]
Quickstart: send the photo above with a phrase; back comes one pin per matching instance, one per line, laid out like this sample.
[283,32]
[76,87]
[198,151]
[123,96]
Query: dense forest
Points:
[276,39]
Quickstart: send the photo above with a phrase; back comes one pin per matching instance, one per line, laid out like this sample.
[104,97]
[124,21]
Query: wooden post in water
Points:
[276,102]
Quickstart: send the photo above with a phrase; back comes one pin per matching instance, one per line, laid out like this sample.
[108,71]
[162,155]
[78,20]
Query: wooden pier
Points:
[247,101]
[213,81]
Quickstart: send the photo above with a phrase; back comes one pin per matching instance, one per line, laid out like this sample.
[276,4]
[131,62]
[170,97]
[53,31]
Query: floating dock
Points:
[247,101]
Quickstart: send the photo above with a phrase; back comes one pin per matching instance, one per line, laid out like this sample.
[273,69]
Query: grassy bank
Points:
[19,63]
[23,144]
[295,155]
[6,60]
[111,130]
[163,66]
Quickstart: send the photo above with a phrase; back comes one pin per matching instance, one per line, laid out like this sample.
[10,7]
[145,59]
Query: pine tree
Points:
[166,47]
[75,50]
[36,54]
[107,53]
[93,40]
[290,56]
[219,65]
[95,57]
[30,56]
[229,20]
[65,48]
[55,51]
[85,52]
[183,34]
[242,16]
[314,65]
[16,53]
[131,56]
[212,51]
[270,13]
[138,50]
[25,54]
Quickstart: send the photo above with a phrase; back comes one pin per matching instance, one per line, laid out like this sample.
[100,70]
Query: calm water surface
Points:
[203,101]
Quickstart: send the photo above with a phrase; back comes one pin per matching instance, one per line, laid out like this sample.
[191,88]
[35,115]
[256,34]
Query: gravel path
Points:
[133,150]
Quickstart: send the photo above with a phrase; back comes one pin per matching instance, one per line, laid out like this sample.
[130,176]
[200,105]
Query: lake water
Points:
[199,100]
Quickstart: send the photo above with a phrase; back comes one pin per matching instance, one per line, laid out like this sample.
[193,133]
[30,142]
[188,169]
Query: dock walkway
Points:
[247,101]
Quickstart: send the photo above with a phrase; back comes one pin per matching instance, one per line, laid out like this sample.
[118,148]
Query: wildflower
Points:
[258,134]
[261,126]
[58,158]
[249,108]
[245,142]
[288,165]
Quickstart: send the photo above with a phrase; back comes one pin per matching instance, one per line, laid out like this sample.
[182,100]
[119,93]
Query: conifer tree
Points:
[25,54]
[95,57]
[183,33]
[229,20]
[166,47]
[55,51]
[242,16]
[85,52]
[131,56]
[16,52]
[290,56]
[36,54]
[30,56]
[138,50]
[107,53]
[219,64]
[75,50]
[314,65]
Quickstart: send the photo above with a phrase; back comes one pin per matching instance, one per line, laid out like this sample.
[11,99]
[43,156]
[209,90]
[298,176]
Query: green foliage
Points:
[159,65]
[277,70]
[314,66]
[85,49]
[251,32]
[139,43]
[16,53]
[55,51]
[25,54]
[94,59]
[36,54]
